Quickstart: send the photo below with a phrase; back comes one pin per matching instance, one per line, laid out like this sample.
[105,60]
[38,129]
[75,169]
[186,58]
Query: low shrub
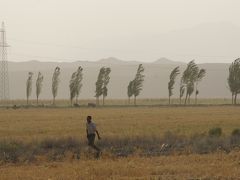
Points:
[215,132]
[236,132]
[235,138]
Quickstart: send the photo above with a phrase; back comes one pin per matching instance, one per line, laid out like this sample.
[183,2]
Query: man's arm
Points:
[98,134]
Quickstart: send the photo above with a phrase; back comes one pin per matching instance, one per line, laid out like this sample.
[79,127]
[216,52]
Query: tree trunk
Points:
[235,99]
[97,101]
[196,93]
[196,98]
[186,99]
[128,100]
[27,100]
[180,100]
[53,100]
[169,100]
[134,100]
[37,100]
[76,99]
[103,100]
[189,99]
[232,97]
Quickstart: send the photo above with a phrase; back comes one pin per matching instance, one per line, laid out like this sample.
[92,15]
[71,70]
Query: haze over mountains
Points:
[214,85]
[206,42]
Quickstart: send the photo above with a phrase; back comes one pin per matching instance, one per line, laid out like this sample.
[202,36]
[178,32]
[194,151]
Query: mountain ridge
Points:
[113,60]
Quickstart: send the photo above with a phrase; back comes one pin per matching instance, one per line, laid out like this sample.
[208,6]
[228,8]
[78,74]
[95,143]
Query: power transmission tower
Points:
[4,81]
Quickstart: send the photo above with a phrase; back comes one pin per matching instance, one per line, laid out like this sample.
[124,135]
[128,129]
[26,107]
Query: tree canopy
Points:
[234,79]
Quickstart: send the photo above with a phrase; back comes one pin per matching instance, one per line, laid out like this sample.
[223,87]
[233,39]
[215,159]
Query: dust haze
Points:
[45,34]
[145,30]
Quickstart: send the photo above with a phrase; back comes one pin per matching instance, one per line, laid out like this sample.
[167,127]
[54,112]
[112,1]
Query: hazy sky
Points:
[144,30]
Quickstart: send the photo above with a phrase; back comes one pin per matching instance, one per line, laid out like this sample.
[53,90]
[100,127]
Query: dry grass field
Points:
[35,124]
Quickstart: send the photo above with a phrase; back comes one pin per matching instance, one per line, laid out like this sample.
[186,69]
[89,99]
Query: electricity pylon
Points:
[4,81]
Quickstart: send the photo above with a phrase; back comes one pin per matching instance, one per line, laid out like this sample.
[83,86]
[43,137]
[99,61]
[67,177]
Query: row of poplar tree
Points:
[75,84]
[190,78]
[193,75]
[189,81]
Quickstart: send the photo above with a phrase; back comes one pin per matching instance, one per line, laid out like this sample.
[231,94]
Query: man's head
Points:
[89,119]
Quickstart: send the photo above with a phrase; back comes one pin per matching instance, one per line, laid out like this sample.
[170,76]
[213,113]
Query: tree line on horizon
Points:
[189,81]
[191,76]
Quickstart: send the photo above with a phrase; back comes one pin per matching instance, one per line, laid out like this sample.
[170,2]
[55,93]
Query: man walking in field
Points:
[91,133]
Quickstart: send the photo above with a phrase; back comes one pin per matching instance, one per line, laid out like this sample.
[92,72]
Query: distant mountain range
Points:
[207,41]
[113,60]
[214,85]
[164,60]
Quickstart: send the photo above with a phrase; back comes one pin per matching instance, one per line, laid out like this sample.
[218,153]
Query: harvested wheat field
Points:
[50,143]
[209,167]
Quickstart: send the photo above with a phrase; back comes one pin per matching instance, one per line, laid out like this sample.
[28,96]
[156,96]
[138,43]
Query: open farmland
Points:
[27,124]
[117,123]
